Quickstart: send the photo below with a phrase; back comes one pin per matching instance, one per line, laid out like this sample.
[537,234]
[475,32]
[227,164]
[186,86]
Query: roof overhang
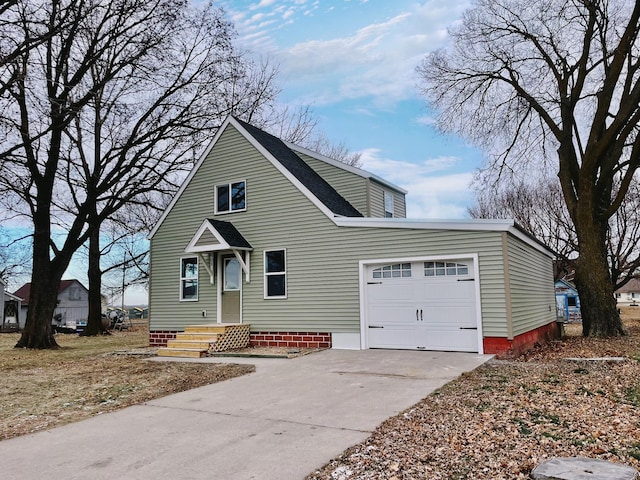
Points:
[215,236]
[485,225]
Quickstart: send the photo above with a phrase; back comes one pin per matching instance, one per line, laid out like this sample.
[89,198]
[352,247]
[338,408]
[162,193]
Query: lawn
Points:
[506,417]
[87,376]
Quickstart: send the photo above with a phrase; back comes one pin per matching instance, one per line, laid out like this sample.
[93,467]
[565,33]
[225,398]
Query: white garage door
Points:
[426,305]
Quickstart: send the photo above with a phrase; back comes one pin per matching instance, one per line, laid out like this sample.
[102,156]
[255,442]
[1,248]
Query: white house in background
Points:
[72,308]
[629,293]
[9,309]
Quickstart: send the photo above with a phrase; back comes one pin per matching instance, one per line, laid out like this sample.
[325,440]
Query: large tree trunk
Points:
[600,317]
[43,297]
[94,320]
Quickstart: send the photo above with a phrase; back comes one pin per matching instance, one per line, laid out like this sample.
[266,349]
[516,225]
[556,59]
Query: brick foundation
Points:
[505,348]
[159,338]
[291,339]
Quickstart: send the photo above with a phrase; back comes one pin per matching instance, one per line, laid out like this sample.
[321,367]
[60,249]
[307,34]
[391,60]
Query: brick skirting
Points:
[291,339]
[505,348]
[159,338]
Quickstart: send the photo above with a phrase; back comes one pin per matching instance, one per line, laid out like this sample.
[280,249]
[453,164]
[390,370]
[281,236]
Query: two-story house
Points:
[311,252]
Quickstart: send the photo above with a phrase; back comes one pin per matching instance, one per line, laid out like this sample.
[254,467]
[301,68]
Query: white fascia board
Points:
[187,180]
[484,225]
[281,168]
[344,166]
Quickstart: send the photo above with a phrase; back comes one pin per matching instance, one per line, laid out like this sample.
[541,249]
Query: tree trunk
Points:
[600,317]
[94,273]
[43,297]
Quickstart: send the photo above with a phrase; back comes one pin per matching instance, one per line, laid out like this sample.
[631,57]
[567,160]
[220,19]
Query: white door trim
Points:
[362,277]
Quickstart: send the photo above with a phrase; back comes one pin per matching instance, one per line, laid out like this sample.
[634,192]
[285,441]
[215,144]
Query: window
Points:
[396,270]
[572,301]
[275,274]
[388,204]
[189,278]
[74,293]
[232,275]
[441,269]
[230,197]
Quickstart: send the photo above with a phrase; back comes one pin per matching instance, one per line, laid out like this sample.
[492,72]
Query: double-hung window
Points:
[230,197]
[275,274]
[189,278]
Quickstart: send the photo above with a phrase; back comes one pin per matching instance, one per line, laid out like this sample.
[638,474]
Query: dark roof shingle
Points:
[230,233]
[303,172]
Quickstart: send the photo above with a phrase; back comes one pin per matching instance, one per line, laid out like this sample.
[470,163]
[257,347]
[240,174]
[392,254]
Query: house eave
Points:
[485,225]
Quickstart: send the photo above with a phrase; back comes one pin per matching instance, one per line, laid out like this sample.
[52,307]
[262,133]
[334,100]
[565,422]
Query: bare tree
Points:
[15,262]
[525,78]
[538,208]
[114,105]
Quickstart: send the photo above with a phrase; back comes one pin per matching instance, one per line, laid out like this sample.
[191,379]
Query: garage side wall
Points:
[531,285]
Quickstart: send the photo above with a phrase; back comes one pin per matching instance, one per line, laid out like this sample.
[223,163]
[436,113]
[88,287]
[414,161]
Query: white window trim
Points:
[228,184]
[265,274]
[182,279]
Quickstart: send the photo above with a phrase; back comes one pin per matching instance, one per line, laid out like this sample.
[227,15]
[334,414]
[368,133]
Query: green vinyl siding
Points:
[322,258]
[351,186]
[376,196]
[531,285]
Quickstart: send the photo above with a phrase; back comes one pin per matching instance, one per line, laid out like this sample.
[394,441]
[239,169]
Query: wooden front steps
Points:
[198,340]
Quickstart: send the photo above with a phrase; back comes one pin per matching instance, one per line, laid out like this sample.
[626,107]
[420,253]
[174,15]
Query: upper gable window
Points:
[231,197]
[388,205]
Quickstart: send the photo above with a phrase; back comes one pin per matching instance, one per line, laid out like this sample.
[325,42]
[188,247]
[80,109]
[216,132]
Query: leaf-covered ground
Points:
[501,420]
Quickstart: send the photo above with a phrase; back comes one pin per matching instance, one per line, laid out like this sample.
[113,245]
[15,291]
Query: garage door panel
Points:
[441,337]
[395,336]
[443,305]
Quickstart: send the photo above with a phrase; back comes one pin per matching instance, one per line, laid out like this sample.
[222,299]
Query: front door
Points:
[231,290]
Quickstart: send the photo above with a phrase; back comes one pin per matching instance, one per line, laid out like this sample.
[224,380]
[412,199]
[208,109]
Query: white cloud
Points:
[435,191]
[377,60]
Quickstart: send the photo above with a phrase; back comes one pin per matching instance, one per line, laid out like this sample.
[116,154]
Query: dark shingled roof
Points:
[303,172]
[230,234]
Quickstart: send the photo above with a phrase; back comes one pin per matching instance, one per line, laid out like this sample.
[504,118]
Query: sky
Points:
[354,63]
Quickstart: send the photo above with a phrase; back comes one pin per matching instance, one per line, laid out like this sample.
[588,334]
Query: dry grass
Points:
[504,418]
[48,388]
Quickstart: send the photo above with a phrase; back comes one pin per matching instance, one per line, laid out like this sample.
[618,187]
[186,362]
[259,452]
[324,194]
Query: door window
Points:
[232,275]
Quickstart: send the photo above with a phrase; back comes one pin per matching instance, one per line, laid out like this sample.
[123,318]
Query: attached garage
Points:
[422,303]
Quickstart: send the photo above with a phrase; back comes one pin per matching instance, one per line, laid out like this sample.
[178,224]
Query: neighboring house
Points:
[629,293]
[312,252]
[9,310]
[568,301]
[72,308]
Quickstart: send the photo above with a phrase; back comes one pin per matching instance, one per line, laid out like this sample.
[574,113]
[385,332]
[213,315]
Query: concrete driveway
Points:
[288,418]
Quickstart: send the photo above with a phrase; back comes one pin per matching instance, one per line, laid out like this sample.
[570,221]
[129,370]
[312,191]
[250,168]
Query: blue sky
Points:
[353,62]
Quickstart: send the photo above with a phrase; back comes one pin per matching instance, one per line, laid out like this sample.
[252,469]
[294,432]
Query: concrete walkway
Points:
[288,418]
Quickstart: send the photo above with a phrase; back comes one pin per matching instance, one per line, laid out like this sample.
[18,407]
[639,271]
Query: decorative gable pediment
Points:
[216,235]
